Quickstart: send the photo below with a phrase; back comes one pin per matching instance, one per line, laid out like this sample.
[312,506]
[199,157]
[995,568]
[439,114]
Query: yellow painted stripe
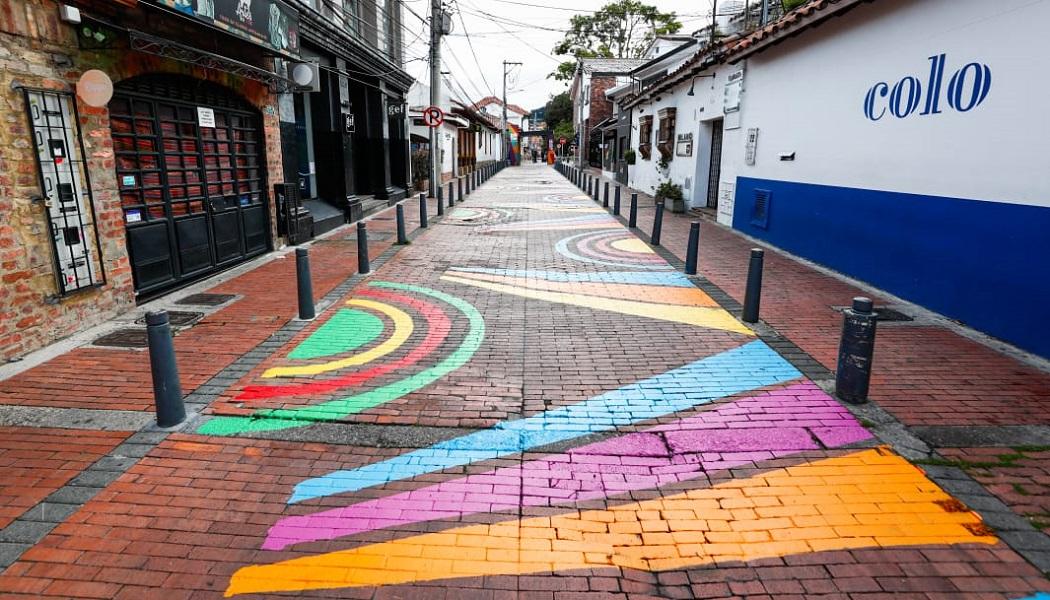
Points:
[403,328]
[700,316]
[633,245]
[868,499]
[665,294]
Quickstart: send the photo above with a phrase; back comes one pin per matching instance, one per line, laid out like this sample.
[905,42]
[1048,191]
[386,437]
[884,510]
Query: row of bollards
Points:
[857,342]
[167,389]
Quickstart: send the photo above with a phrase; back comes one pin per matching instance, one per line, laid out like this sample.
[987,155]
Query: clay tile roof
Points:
[807,15]
[487,100]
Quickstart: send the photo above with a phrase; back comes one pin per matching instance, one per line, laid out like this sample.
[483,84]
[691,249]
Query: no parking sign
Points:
[433,116]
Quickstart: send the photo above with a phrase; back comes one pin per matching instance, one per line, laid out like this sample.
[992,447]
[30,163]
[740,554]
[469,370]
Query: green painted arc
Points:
[347,330]
[288,418]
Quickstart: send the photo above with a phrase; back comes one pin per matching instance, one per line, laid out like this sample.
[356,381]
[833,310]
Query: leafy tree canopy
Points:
[621,29]
[559,110]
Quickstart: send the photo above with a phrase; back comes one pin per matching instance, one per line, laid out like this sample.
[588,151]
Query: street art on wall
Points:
[381,297]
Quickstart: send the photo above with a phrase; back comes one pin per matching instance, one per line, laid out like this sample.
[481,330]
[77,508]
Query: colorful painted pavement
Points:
[599,428]
[732,456]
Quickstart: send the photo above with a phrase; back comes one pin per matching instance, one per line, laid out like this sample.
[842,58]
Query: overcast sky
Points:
[528,42]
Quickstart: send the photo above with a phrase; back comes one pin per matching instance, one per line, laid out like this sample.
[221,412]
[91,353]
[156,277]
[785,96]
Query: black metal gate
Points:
[714,172]
[190,171]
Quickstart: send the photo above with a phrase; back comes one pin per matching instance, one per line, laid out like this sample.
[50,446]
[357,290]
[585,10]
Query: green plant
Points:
[630,157]
[669,190]
[420,167]
[790,5]
[663,165]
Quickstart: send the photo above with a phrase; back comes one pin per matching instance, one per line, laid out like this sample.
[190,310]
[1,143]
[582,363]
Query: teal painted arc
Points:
[347,330]
[748,367]
[288,418]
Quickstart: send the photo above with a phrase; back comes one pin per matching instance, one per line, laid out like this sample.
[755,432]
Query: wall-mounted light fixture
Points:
[692,84]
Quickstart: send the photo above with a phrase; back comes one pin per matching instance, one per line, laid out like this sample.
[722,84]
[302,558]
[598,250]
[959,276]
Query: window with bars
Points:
[66,187]
[665,135]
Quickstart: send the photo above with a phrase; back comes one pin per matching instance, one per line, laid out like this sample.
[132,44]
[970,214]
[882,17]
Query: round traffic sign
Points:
[562,140]
[433,116]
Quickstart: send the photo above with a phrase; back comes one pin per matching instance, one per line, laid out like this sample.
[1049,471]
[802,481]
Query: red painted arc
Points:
[438,327]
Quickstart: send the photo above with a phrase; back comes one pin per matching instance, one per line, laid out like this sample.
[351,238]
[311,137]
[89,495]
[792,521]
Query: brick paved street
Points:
[528,401]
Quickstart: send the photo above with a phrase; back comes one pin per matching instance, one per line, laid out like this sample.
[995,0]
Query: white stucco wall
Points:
[807,96]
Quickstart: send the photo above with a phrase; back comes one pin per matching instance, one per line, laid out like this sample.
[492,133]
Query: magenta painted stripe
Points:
[775,424]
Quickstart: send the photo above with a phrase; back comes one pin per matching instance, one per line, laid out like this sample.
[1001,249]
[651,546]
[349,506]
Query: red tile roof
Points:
[487,100]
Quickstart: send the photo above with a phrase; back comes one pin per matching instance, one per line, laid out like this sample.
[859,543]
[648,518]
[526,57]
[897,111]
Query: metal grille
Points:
[760,211]
[66,187]
[206,299]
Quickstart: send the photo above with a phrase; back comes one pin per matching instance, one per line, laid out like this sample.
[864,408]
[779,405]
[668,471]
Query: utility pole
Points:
[506,126]
[437,29]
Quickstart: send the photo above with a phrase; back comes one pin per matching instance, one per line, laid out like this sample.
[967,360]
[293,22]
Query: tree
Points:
[621,29]
[559,110]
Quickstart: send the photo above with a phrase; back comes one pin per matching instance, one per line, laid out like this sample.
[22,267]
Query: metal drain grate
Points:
[178,318]
[885,313]
[123,338]
[206,299]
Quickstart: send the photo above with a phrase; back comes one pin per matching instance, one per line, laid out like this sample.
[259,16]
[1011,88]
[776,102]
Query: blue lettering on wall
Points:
[967,89]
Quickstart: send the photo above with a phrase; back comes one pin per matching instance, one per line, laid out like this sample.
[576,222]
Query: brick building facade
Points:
[590,106]
[169,181]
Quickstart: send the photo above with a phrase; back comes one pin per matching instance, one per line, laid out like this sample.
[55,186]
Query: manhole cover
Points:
[178,318]
[206,299]
[123,338]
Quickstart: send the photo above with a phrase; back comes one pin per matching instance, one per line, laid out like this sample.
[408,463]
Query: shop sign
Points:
[269,23]
[95,88]
[967,88]
[751,146]
[684,145]
[395,110]
[348,122]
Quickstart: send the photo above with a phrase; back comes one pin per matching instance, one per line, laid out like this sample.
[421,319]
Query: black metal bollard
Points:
[605,199]
[632,216]
[167,391]
[440,201]
[459,185]
[363,264]
[658,224]
[402,239]
[451,201]
[616,201]
[856,348]
[753,293]
[692,248]
[305,285]
[423,211]
[597,189]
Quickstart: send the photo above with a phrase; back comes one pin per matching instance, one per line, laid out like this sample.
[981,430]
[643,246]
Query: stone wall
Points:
[37,50]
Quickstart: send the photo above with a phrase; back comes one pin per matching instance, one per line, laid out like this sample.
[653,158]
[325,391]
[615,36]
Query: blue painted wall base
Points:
[986,264]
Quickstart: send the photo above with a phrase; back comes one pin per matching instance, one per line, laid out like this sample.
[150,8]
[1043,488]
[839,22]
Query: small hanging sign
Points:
[205,117]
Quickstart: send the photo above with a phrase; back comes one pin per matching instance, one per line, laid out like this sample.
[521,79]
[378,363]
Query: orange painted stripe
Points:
[646,293]
[870,498]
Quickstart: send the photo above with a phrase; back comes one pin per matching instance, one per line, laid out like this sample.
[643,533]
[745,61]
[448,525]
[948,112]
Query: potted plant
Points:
[630,157]
[673,192]
[421,169]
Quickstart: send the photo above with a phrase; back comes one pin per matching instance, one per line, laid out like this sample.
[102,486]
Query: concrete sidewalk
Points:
[526,402]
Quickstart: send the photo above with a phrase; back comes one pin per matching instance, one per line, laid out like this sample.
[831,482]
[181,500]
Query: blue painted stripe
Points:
[741,369]
[1039,596]
[665,279]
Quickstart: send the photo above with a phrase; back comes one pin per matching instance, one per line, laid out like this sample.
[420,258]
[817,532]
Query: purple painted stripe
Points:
[775,424]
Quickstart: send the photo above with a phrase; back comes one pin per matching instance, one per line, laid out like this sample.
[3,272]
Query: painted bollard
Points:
[363,264]
[304,285]
[632,215]
[856,348]
[423,211]
[658,224]
[605,198]
[451,201]
[753,292]
[402,239]
[616,202]
[167,391]
[692,249]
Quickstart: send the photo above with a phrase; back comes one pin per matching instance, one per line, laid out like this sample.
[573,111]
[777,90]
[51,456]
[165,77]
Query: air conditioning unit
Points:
[306,76]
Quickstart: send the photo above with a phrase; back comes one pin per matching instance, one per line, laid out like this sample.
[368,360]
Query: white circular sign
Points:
[433,116]
[95,88]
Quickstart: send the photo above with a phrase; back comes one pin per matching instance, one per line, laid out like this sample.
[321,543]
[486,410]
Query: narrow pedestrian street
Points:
[527,401]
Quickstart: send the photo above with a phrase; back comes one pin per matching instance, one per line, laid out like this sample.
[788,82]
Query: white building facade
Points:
[900,142]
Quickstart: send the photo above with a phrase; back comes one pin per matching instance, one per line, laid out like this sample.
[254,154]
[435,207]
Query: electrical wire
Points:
[477,62]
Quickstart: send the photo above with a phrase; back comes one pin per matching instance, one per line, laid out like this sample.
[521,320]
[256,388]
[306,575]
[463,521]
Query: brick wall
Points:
[37,50]
[600,109]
